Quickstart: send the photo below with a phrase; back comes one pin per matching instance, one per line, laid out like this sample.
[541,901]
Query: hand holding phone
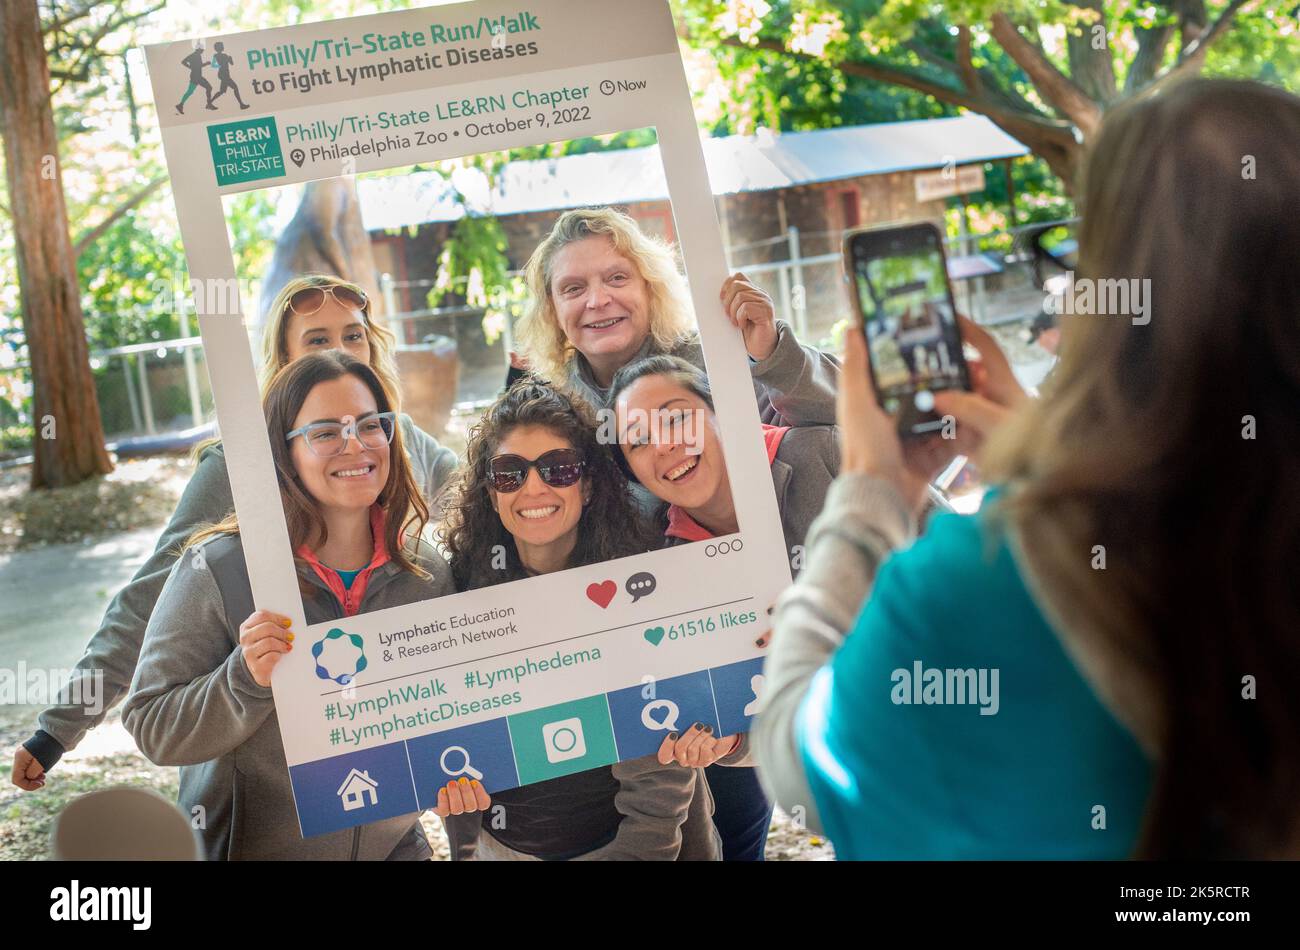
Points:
[869,439]
[904,303]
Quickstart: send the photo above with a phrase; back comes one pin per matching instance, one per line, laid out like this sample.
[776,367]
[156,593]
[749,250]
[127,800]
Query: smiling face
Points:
[538,514]
[332,327]
[354,479]
[601,300]
[669,437]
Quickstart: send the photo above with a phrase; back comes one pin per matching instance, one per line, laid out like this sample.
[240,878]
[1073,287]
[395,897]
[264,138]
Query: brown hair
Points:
[610,527]
[405,510]
[1173,446]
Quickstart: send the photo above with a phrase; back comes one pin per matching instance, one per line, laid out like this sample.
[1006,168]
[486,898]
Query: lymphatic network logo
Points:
[339,656]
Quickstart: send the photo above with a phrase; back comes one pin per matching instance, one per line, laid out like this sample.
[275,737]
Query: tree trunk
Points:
[326,236]
[69,439]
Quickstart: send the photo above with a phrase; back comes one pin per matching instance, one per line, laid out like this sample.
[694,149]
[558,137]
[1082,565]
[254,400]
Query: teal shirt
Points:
[347,577]
[895,781]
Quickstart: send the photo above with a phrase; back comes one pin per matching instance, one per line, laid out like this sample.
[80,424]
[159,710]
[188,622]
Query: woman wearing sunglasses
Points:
[670,443]
[201,697]
[309,314]
[539,488]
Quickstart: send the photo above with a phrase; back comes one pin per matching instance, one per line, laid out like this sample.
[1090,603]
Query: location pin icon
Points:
[298,156]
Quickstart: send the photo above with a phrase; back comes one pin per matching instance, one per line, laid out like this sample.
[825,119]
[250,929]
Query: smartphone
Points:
[898,279]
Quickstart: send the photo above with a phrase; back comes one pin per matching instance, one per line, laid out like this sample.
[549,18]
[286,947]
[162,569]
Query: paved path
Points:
[53,598]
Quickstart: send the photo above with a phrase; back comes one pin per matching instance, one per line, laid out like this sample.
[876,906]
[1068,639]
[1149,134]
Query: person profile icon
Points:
[194,62]
[222,61]
[756,687]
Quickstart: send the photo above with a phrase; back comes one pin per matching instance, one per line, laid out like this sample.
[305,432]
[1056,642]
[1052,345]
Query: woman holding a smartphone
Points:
[1122,611]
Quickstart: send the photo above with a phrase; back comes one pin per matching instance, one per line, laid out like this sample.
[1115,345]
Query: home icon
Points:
[356,788]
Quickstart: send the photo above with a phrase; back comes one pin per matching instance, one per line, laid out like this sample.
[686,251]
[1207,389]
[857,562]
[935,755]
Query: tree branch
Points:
[969,77]
[1092,66]
[1054,86]
[1192,57]
[990,82]
[95,233]
[893,75]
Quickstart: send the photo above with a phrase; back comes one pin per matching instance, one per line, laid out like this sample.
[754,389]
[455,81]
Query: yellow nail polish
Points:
[464,780]
[474,783]
[286,623]
[289,638]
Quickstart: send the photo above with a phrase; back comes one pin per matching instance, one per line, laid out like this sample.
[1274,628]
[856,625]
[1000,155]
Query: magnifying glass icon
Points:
[465,769]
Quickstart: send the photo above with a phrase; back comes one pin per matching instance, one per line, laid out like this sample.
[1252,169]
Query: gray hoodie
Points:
[795,386]
[194,703]
[806,463]
[116,644]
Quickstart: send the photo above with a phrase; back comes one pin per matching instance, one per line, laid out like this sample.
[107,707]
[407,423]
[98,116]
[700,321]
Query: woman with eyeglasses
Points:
[538,493]
[201,697]
[309,314]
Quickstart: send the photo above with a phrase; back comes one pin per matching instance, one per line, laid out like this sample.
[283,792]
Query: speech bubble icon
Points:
[641,584]
[668,723]
[298,156]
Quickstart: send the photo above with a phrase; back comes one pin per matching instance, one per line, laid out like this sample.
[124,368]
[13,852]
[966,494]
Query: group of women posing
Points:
[610,327]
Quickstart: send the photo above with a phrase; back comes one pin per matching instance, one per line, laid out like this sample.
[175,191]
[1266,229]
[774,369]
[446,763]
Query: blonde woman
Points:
[603,295]
[310,314]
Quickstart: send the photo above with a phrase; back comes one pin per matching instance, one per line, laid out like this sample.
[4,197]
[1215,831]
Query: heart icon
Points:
[654,634]
[602,593]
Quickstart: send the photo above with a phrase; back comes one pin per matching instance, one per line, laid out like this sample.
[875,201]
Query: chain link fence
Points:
[157,388]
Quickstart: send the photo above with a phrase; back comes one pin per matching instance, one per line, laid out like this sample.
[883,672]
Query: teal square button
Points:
[562,739]
[246,151]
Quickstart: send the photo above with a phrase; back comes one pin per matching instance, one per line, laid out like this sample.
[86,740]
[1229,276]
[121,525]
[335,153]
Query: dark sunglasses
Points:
[559,468]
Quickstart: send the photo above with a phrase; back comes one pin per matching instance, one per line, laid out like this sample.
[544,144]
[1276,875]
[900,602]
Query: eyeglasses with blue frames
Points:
[558,468]
[328,439]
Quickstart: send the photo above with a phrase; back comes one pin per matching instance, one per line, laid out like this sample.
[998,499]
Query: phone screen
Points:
[900,285]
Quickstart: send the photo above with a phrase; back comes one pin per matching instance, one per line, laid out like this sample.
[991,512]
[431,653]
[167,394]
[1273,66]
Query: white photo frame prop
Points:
[585,671]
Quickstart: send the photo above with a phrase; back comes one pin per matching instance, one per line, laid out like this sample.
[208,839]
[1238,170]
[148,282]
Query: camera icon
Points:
[564,740]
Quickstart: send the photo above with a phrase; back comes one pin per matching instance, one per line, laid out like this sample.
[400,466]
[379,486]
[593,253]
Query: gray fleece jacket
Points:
[864,520]
[194,703]
[667,815]
[116,644]
[795,386]
[805,466]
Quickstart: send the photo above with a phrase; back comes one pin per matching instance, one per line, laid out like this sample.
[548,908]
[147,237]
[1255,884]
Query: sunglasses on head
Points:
[558,468]
[310,299]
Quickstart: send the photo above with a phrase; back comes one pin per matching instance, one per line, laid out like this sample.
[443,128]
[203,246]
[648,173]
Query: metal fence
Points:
[992,275]
[160,387]
[143,390]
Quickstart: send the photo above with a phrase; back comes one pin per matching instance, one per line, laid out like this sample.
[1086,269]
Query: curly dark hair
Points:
[611,525]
